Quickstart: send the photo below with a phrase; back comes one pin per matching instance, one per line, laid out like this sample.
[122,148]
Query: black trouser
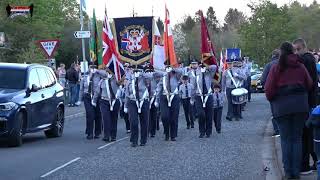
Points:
[170,115]
[110,118]
[217,113]
[93,116]
[307,148]
[249,87]
[125,117]
[153,119]
[135,117]
[188,111]
[205,115]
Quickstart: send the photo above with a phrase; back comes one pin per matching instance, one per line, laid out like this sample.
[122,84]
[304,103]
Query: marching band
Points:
[145,91]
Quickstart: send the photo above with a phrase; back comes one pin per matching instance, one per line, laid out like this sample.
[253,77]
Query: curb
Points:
[269,155]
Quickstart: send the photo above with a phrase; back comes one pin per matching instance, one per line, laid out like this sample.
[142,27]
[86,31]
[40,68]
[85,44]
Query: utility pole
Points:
[81,29]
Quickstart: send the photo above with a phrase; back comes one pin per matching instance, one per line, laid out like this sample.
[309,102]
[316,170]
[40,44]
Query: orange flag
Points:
[168,42]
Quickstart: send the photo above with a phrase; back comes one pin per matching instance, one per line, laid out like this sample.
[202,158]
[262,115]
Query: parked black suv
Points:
[31,100]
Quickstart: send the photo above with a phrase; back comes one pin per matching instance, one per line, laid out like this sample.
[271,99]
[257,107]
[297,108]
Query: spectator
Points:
[62,75]
[73,77]
[288,83]
[78,69]
[309,62]
[274,60]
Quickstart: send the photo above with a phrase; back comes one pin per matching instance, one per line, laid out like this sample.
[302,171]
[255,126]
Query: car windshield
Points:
[12,78]
[256,77]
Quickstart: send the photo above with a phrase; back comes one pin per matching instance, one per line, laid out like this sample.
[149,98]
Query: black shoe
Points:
[237,119]
[314,168]
[167,138]
[241,117]
[113,139]
[201,136]
[306,171]
[229,118]
[106,139]
[188,127]
[97,136]
[219,131]
[89,137]
[192,126]
[134,144]
[173,139]
[142,144]
[208,136]
[152,136]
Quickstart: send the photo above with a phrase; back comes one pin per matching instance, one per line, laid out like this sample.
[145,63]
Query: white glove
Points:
[191,102]
[156,104]
[125,110]
[93,103]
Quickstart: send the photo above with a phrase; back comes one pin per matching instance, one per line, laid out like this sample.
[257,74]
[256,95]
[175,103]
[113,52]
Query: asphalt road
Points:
[234,154]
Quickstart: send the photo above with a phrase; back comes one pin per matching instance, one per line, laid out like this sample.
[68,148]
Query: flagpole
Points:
[81,29]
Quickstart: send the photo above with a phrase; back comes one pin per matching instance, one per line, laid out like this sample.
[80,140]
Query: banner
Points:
[233,54]
[170,53]
[93,41]
[134,38]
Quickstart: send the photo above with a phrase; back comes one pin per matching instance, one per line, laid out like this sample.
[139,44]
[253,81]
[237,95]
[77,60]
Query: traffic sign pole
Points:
[82,40]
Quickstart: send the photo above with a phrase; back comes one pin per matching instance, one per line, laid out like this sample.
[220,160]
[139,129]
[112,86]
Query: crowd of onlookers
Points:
[70,79]
[291,85]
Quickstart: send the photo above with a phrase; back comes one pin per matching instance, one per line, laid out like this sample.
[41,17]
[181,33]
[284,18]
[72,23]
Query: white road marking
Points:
[60,167]
[74,115]
[113,143]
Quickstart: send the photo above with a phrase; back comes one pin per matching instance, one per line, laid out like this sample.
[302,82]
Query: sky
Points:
[177,8]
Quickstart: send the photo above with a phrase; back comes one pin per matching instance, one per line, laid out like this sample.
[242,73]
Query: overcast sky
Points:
[177,8]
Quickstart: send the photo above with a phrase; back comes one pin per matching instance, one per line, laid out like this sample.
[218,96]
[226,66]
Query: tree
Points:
[48,21]
[234,19]
[188,24]
[212,21]
[266,30]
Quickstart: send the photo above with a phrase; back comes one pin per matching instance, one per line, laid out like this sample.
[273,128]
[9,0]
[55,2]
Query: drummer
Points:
[232,78]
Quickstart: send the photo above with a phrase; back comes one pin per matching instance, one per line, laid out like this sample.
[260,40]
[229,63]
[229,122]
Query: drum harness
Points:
[233,80]
[139,102]
[111,101]
[153,98]
[169,95]
[204,97]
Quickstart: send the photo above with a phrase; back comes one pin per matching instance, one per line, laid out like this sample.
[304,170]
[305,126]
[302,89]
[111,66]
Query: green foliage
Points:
[271,25]
[49,21]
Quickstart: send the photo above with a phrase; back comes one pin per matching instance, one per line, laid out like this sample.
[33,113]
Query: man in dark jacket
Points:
[274,60]
[73,77]
[309,62]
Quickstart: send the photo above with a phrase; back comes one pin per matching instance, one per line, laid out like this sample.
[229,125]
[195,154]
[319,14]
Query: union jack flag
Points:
[110,57]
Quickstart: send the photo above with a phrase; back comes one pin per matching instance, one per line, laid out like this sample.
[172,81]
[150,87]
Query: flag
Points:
[110,57]
[207,49]
[221,64]
[94,41]
[83,4]
[170,54]
[158,58]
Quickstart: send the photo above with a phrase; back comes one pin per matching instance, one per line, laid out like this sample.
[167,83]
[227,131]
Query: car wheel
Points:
[57,126]
[15,138]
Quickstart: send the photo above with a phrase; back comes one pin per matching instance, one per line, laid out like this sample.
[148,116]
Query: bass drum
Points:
[239,95]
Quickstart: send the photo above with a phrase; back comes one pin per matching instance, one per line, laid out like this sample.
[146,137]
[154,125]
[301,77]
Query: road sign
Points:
[49,46]
[82,34]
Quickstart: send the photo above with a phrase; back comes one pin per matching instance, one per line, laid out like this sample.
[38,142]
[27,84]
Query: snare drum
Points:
[239,96]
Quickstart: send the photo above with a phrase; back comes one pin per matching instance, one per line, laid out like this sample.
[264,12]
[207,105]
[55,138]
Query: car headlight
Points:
[7,106]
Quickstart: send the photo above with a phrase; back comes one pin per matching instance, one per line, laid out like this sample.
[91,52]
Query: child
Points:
[218,100]
[185,93]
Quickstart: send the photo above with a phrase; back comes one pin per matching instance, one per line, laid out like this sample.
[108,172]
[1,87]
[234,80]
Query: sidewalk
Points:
[71,112]
[278,155]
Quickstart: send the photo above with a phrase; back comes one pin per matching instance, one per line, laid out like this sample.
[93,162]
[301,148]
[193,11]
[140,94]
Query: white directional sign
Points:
[49,46]
[82,34]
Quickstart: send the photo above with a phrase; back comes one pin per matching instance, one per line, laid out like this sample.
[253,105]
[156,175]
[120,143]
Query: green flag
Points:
[94,41]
